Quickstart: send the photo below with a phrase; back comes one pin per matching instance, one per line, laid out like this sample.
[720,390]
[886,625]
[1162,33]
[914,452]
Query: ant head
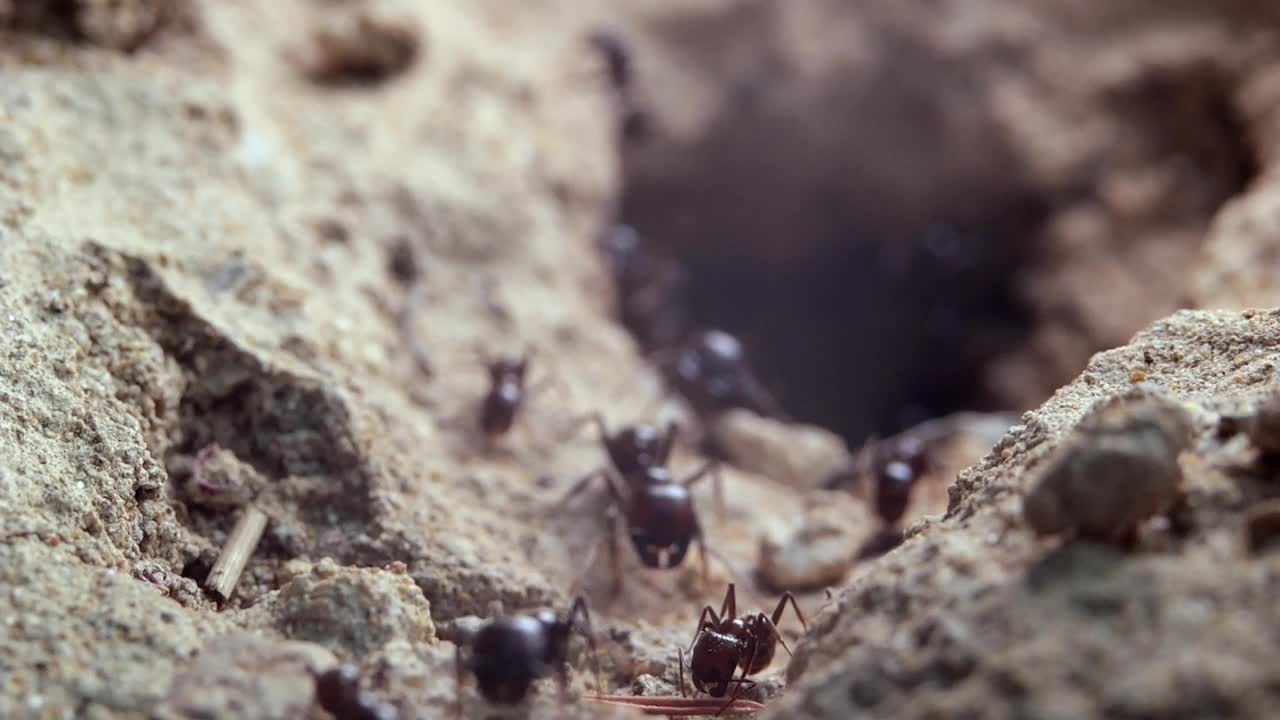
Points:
[509,368]
[715,659]
[719,350]
[620,245]
[899,473]
[637,446]
[712,362]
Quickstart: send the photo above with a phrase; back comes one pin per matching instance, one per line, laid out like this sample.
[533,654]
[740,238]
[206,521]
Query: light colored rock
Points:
[973,614]
[1119,468]
[819,550]
[800,456]
[351,611]
[248,676]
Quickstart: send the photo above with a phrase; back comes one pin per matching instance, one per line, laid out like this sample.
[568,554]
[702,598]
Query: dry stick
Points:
[679,706]
[236,553]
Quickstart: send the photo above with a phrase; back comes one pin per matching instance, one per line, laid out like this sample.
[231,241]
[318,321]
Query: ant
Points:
[658,513]
[634,449]
[898,465]
[616,53]
[724,642]
[338,691]
[506,395]
[508,654]
[651,287]
[711,371]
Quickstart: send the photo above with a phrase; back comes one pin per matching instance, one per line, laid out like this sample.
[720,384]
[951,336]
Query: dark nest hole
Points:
[867,336]
[873,262]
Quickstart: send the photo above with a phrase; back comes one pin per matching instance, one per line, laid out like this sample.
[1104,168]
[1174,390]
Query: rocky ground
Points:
[251,255]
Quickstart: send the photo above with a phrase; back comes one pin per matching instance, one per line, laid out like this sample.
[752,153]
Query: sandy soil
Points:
[250,254]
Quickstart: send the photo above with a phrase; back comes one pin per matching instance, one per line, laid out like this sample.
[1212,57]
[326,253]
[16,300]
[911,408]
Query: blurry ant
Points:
[724,642]
[711,371]
[616,54]
[508,654]
[650,287]
[898,465]
[894,466]
[507,395]
[338,691]
[636,447]
[659,515]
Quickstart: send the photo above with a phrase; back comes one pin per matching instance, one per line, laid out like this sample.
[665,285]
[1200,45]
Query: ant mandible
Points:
[723,643]
[508,654]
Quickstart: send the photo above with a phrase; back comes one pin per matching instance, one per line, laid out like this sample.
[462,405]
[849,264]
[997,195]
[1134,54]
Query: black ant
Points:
[508,393]
[506,396]
[634,449]
[508,654]
[338,691]
[616,53]
[659,515]
[651,287]
[711,371]
[898,465]
[724,642]
[894,467]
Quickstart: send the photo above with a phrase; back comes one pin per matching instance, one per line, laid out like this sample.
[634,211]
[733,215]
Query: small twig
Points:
[236,553]
[675,706]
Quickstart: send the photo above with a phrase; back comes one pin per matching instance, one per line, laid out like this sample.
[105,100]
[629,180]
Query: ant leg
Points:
[703,623]
[782,604]
[575,426]
[717,479]
[702,553]
[578,486]
[700,473]
[712,468]
[741,684]
[587,563]
[763,400]
[460,669]
[742,679]
[680,664]
[615,554]
[730,602]
[579,609]
[773,628]
[668,442]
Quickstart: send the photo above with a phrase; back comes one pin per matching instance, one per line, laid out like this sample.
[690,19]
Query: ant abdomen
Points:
[662,523]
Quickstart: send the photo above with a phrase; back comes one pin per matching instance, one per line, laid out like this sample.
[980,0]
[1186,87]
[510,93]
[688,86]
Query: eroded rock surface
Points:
[975,616]
[250,252]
